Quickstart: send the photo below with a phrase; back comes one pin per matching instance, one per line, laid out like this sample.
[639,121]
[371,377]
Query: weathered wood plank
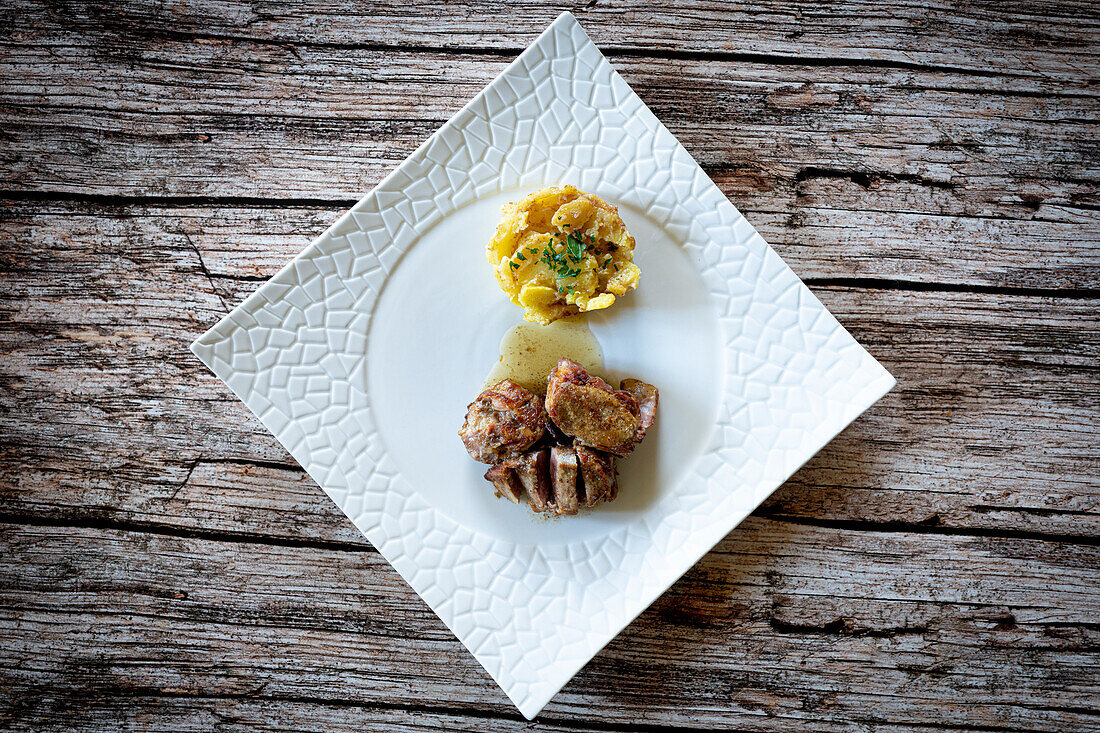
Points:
[368,83]
[1056,43]
[241,243]
[975,210]
[238,715]
[782,624]
[202,713]
[946,180]
[946,145]
[119,710]
[235,119]
[992,426]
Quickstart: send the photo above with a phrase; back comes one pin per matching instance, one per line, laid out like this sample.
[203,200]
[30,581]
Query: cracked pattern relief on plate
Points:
[302,352]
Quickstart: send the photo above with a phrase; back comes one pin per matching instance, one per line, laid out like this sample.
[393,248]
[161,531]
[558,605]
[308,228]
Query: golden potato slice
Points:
[560,251]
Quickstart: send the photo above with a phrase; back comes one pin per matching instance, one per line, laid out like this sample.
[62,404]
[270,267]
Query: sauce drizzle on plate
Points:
[528,352]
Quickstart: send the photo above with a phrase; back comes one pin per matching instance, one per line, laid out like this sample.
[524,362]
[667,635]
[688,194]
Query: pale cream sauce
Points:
[529,351]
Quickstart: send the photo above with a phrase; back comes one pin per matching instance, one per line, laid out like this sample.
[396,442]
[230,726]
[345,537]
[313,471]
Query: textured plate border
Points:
[295,353]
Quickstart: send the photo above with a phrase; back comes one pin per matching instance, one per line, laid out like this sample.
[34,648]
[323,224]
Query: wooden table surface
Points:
[929,169]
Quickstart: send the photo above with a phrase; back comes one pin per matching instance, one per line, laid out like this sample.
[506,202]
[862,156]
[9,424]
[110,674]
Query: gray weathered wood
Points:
[202,713]
[933,621]
[973,368]
[920,129]
[931,169]
[986,39]
[934,164]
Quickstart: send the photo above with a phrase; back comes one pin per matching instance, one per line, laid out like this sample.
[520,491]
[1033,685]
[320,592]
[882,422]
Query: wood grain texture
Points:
[935,164]
[113,296]
[800,623]
[931,170]
[986,39]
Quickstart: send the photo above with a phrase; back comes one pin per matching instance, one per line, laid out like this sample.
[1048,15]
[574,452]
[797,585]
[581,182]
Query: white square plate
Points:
[362,353]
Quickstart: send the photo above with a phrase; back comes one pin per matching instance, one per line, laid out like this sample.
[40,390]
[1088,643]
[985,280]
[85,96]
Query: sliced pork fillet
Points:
[559,455]
[598,475]
[588,409]
[646,396]
[564,480]
[502,422]
[533,469]
[507,483]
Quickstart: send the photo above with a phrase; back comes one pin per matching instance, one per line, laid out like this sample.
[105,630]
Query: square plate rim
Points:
[857,404]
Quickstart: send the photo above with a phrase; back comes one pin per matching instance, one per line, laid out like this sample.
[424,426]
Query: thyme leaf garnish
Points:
[575,247]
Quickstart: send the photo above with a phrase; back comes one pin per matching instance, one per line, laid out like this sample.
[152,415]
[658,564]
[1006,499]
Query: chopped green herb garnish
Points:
[513,265]
[520,256]
[575,247]
[561,263]
[533,250]
[612,247]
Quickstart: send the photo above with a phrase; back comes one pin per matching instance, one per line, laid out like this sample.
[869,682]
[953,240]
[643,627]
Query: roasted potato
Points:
[560,251]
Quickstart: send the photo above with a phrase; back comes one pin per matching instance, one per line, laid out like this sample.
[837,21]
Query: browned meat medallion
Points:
[564,480]
[504,478]
[598,474]
[533,469]
[588,409]
[646,396]
[502,422]
[560,458]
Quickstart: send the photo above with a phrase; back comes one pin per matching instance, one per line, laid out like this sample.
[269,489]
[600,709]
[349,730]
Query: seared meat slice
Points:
[564,478]
[504,478]
[588,409]
[527,474]
[646,396]
[560,458]
[598,474]
[503,421]
[533,469]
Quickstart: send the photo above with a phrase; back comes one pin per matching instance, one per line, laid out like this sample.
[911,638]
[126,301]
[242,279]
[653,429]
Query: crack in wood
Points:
[1037,511]
[969,727]
[877,283]
[866,179]
[844,627]
[290,465]
[202,267]
[104,523]
[186,479]
[855,525]
[609,50]
[128,200]
[214,617]
[112,691]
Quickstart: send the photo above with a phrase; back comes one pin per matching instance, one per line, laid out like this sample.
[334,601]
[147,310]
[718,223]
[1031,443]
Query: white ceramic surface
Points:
[362,353]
